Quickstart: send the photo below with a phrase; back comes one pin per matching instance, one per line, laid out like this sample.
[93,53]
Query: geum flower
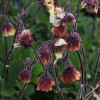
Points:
[45,82]
[24,38]
[60,31]
[45,56]
[73,41]
[57,16]
[58,47]
[25,76]
[91,6]
[69,17]
[96,91]
[70,74]
[8,29]
[48,5]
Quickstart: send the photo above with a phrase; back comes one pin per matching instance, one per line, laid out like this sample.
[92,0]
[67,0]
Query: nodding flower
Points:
[58,47]
[96,91]
[45,82]
[45,56]
[69,17]
[57,17]
[60,31]
[48,5]
[8,29]
[73,41]
[70,74]
[91,6]
[25,76]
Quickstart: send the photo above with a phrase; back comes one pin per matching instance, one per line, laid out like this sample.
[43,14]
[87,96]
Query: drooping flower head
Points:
[24,38]
[57,16]
[45,55]
[91,5]
[25,76]
[70,74]
[60,31]
[8,29]
[45,82]
[69,17]
[49,5]
[58,47]
[73,41]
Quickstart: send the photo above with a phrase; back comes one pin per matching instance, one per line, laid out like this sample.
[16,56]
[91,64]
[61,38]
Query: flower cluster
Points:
[70,42]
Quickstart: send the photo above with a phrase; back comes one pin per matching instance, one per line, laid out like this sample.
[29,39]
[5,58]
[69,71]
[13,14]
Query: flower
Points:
[96,91]
[49,5]
[70,74]
[25,76]
[45,82]
[91,5]
[57,16]
[45,56]
[60,31]
[73,41]
[8,29]
[69,17]
[58,47]
[24,38]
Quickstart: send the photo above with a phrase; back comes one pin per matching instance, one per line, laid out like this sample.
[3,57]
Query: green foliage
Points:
[41,30]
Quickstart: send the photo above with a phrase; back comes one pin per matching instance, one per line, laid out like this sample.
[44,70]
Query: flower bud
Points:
[45,57]
[69,17]
[8,29]
[25,76]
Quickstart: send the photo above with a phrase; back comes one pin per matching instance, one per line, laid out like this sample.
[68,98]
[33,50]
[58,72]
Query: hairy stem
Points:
[81,66]
[82,73]
[95,69]
[56,82]
[37,54]
[21,91]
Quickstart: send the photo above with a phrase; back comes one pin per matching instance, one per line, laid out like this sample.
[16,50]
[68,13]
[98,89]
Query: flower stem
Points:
[89,94]
[6,46]
[21,91]
[56,82]
[82,74]
[95,69]
[37,54]
[81,66]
